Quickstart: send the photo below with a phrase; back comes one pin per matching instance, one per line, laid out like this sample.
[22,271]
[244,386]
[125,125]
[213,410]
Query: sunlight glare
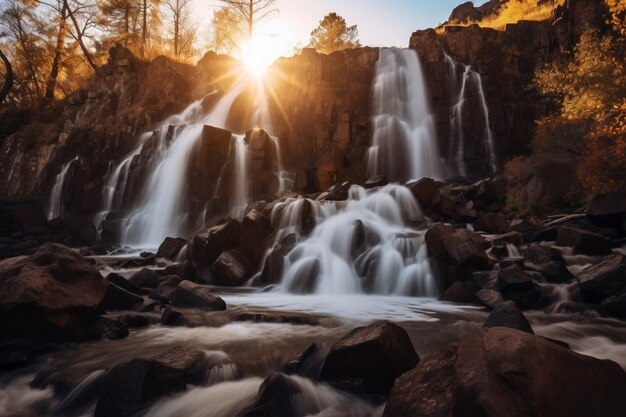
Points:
[260,53]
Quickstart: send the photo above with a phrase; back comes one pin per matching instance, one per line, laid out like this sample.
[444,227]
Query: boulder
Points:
[231,269]
[145,278]
[508,314]
[107,328]
[274,262]
[171,247]
[277,397]
[122,282]
[549,262]
[118,298]
[256,231]
[370,358]
[163,292]
[608,210]
[490,297]
[129,387]
[494,223]
[603,280]
[460,247]
[208,245]
[517,285]
[49,294]
[614,305]
[377,181]
[192,363]
[424,191]
[506,372]
[583,241]
[461,292]
[190,295]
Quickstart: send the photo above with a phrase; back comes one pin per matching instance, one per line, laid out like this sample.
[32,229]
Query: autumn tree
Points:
[227,32]
[250,12]
[182,33]
[333,34]
[8,77]
[591,91]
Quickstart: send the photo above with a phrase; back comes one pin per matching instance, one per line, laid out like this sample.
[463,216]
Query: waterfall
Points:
[404,142]
[56,205]
[462,79]
[241,193]
[364,245]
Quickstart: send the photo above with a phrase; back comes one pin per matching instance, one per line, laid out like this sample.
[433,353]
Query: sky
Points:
[380,22]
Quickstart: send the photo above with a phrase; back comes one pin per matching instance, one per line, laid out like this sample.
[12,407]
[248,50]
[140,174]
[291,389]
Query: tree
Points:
[333,34]
[227,32]
[182,34]
[8,77]
[251,12]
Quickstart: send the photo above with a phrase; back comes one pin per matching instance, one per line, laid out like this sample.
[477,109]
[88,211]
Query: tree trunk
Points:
[144,29]
[251,20]
[56,62]
[79,37]
[8,79]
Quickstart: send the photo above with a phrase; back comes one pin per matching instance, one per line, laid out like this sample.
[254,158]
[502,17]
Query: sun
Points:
[260,52]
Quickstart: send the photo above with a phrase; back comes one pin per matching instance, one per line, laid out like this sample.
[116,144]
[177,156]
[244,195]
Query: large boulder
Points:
[231,269]
[171,247]
[603,280]
[190,295]
[549,262]
[47,294]
[118,298]
[131,386]
[583,241]
[277,397]
[256,231]
[505,372]
[370,358]
[517,285]
[145,278]
[608,210]
[208,245]
[508,314]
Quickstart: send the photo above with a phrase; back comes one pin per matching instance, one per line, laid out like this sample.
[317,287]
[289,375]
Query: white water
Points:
[241,192]
[56,205]
[404,143]
[365,246]
[462,84]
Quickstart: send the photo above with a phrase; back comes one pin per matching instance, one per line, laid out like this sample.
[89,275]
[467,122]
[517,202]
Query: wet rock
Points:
[549,262]
[145,278]
[131,386]
[135,320]
[608,210]
[181,269]
[231,269]
[461,292]
[494,223]
[107,328]
[171,247]
[614,305]
[513,278]
[583,241]
[370,358]
[506,372]
[190,295]
[49,294]
[172,317]
[508,314]
[377,181]
[164,291]
[489,297]
[118,298]
[305,362]
[603,280]
[548,234]
[192,363]
[277,397]
[274,263]
[460,247]
[424,191]
[485,279]
[256,231]
[208,245]
[122,282]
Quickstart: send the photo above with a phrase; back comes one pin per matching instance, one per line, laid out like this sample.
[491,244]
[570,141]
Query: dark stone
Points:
[106,328]
[377,181]
[131,386]
[583,241]
[208,245]
[603,280]
[549,262]
[608,210]
[171,317]
[461,292]
[231,269]
[117,298]
[171,247]
[506,372]
[145,278]
[513,278]
[370,358]
[256,231]
[277,397]
[190,295]
[122,282]
[424,191]
[508,314]
[192,363]
[304,362]
[614,305]
[164,291]
[49,295]
[490,298]
[273,268]
[494,223]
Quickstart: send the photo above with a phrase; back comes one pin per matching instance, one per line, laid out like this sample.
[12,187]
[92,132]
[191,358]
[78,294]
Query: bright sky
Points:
[380,22]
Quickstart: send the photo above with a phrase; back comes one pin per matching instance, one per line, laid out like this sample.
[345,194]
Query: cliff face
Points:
[507,61]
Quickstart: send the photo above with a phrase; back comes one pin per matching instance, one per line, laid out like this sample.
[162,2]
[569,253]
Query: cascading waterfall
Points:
[364,245]
[56,205]
[463,78]
[241,193]
[404,143]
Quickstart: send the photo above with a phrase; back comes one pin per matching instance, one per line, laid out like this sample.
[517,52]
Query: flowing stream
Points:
[56,205]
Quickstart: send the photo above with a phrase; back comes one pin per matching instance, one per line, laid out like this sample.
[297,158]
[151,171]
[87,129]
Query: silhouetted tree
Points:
[333,34]
[250,12]
[227,31]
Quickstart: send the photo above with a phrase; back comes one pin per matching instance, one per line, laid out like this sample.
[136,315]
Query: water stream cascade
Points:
[56,205]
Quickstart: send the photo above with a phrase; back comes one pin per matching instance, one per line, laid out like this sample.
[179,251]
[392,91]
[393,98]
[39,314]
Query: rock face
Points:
[49,293]
[506,372]
[190,295]
[208,245]
[368,359]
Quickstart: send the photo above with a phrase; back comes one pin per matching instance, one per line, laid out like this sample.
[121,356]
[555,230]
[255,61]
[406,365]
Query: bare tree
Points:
[226,31]
[182,35]
[8,77]
[251,11]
